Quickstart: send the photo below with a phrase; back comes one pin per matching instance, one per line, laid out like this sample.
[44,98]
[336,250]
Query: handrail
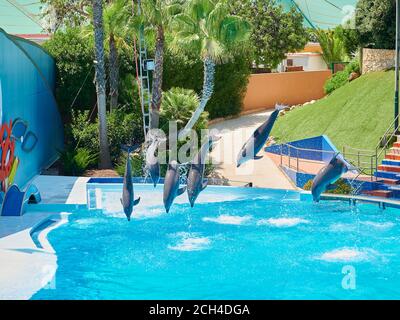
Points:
[387,131]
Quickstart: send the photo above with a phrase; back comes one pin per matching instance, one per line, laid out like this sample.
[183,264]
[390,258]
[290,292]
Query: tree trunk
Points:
[105,160]
[157,79]
[208,89]
[114,73]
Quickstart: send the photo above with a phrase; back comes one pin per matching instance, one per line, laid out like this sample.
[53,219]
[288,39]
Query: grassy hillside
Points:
[355,115]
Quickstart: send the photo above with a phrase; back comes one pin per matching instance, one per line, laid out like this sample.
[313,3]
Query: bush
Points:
[74,55]
[231,81]
[178,105]
[137,163]
[123,128]
[341,78]
[74,61]
[342,187]
[74,162]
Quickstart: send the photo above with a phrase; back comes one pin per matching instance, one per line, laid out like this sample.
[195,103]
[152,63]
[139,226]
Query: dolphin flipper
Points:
[181,191]
[120,199]
[136,202]
[205,183]
[258,157]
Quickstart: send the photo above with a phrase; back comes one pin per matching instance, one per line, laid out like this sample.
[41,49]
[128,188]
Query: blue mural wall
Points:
[31,132]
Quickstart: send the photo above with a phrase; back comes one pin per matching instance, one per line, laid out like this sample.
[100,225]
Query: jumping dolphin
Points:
[195,182]
[127,199]
[329,175]
[152,163]
[258,139]
[171,185]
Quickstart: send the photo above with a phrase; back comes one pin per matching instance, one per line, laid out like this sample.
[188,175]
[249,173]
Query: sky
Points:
[321,13]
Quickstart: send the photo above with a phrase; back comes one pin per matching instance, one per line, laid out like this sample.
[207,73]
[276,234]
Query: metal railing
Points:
[365,160]
[295,154]
[387,139]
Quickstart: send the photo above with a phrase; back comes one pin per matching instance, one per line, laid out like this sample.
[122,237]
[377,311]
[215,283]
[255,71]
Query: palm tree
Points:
[158,16]
[105,160]
[208,28]
[116,18]
[333,49]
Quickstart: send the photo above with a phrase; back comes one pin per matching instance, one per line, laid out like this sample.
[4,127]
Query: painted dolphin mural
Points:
[258,139]
[152,162]
[329,175]
[195,181]
[128,200]
[171,185]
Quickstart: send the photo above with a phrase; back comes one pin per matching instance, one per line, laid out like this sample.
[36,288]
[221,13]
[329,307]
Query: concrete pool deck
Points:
[25,268]
[263,173]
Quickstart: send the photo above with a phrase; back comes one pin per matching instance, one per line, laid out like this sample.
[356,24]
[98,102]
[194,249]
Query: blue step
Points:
[385,174]
[391,163]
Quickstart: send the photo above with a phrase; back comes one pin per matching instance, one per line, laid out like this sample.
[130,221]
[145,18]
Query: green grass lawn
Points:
[355,115]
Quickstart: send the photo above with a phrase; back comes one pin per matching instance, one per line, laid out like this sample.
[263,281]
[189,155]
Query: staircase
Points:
[387,184]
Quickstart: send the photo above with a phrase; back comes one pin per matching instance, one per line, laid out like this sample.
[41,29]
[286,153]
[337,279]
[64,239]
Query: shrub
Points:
[74,162]
[137,163]
[231,81]
[74,61]
[178,105]
[342,187]
[123,128]
[341,78]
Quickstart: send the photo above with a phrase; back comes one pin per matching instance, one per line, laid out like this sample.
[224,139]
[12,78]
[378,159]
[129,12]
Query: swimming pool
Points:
[236,243]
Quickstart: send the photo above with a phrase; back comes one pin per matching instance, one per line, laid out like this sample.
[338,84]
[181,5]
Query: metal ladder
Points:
[144,75]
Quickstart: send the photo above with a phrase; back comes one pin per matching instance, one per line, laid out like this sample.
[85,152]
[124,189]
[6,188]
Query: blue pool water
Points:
[236,243]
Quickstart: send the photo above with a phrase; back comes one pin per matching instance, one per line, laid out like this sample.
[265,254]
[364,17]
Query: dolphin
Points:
[171,185]
[195,181]
[152,163]
[258,139]
[329,175]
[127,199]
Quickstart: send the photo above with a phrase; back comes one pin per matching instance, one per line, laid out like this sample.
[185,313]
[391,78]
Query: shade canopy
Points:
[21,16]
[323,14]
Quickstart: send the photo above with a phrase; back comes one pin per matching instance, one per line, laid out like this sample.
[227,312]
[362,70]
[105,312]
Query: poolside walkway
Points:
[29,267]
[234,133]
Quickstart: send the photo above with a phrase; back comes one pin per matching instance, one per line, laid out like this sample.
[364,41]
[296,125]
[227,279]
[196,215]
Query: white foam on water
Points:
[189,243]
[227,219]
[349,255]
[342,227]
[88,221]
[282,222]
[378,225]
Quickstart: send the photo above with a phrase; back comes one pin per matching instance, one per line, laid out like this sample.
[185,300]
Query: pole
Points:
[396,96]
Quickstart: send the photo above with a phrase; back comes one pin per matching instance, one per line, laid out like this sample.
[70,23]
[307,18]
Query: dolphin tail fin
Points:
[181,190]
[136,202]
[129,148]
[280,107]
